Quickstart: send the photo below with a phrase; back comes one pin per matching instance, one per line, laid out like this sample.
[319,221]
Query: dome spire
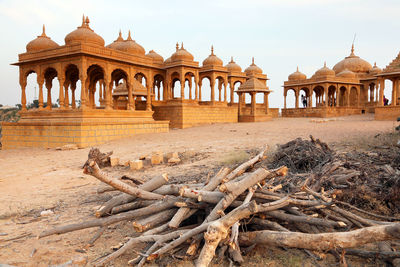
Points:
[87,21]
[83,20]
[324,64]
[212,50]
[182,46]
[232,60]
[177,46]
[44,32]
[129,36]
[252,61]
[297,69]
[352,50]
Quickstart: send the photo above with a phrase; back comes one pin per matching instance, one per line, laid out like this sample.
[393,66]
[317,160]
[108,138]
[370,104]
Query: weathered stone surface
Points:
[173,161]
[156,159]
[170,155]
[114,161]
[136,165]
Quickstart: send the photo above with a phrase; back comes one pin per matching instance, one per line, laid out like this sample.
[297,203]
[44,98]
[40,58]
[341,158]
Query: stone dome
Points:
[212,60]
[253,69]
[131,47]
[346,74]
[297,75]
[352,63]
[42,42]
[117,43]
[233,67]
[168,60]
[181,54]
[156,57]
[84,34]
[375,70]
[324,71]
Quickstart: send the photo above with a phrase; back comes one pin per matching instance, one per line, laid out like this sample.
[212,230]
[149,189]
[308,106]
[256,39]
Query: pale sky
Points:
[280,34]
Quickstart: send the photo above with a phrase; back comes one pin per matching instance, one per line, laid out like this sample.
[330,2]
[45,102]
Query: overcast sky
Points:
[280,34]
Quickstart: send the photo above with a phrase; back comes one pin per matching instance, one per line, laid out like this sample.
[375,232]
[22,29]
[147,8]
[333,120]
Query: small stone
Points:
[46,213]
[136,165]
[142,157]
[126,163]
[156,159]
[171,155]
[114,161]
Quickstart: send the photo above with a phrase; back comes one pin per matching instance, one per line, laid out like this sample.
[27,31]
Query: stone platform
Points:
[48,129]
[321,112]
[387,113]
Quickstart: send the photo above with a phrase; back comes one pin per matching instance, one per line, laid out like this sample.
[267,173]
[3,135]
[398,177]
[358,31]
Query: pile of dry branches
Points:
[198,220]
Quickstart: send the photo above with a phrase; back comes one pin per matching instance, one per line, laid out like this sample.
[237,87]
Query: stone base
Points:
[387,113]
[188,113]
[322,112]
[48,129]
[254,118]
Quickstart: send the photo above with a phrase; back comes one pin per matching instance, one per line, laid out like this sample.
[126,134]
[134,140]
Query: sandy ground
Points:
[33,180]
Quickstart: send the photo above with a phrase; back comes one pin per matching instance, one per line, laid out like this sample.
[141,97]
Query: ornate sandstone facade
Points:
[353,86]
[124,91]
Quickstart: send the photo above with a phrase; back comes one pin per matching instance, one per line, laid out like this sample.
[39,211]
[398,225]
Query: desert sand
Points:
[33,180]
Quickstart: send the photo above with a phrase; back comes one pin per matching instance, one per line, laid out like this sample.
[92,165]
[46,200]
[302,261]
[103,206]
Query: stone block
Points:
[156,159]
[174,161]
[114,161]
[136,164]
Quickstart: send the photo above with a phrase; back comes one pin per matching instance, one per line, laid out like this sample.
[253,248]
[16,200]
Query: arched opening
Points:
[219,85]
[190,86]
[205,89]
[141,78]
[72,89]
[236,86]
[51,89]
[342,96]
[331,96]
[353,97]
[158,88]
[176,88]
[304,97]
[290,98]
[31,90]
[95,74]
[119,78]
[387,92]
[318,96]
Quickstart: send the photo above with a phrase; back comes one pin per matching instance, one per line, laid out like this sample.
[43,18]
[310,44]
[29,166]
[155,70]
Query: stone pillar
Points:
[182,88]
[66,96]
[61,80]
[219,90]
[297,99]
[200,83]
[253,103]
[232,90]
[394,92]
[381,90]
[40,83]
[73,88]
[190,89]
[130,105]
[158,92]
[310,103]
[376,90]
[92,102]
[337,96]
[358,96]
[326,97]
[23,96]
[196,90]
[348,90]
[48,87]
[148,98]
[240,104]
[212,84]
[108,94]
[83,77]
[284,101]
[225,97]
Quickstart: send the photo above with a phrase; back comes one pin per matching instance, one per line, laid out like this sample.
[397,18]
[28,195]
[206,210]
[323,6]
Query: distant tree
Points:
[1,105]
[19,106]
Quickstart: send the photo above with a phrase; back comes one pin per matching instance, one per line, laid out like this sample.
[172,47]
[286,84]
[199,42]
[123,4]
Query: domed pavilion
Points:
[90,92]
[350,87]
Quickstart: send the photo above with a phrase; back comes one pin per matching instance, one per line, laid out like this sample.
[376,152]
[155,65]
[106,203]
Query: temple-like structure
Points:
[353,86]
[113,91]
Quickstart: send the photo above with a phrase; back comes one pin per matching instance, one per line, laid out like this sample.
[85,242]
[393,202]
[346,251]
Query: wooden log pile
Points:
[199,221]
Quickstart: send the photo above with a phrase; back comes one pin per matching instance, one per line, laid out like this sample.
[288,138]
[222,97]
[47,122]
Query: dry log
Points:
[389,218]
[93,169]
[139,240]
[384,255]
[149,222]
[324,241]
[244,166]
[102,159]
[105,188]
[269,224]
[96,236]
[212,184]
[218,229]
[150,185]
[167,203]
[131,206]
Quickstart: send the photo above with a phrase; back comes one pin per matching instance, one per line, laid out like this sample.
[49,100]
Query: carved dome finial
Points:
[129,36]
[232,60]
[87,21]
[212,50]
[182,46]
[252,61]
[177,46]
[352,50]
[44,32]
[83,20]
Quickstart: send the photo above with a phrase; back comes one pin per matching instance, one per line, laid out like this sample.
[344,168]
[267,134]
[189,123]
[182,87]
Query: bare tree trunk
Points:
[324,241]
